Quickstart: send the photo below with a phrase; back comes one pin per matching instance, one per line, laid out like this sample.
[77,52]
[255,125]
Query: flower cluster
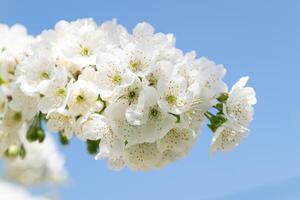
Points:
[134,96]
[16,108]
[37,163]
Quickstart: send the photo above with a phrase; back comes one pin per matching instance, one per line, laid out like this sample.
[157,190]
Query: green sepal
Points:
[223,98]
[104,104]
[177,117]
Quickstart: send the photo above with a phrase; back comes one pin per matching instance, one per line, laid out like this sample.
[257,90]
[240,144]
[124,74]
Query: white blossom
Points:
[239,112]
[239,106]
[143,122]
[37,73]
[83,98]
[112,76]
[174,94]
[56,95]
[16,108]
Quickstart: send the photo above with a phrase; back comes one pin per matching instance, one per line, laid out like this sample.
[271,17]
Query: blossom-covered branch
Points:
[135,98]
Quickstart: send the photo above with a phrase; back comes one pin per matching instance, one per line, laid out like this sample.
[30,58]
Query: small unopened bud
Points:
[92,146]
[22,152]
[12,151]
[40,135]
[63,139]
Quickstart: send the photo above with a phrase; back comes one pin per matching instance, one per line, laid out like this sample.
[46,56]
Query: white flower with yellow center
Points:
[82,99]
[140,59]
[239,112]
[142,49]
[160,71]
[27,105]
[12,120]
[77,41]
[37,73]
[173,94]
[56,95]
[129,93]
[111,74]
[145,121]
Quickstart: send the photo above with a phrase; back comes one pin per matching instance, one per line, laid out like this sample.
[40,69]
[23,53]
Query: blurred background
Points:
[256,38]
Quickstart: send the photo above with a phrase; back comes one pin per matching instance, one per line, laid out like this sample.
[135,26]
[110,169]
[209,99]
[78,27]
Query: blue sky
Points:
[256,38]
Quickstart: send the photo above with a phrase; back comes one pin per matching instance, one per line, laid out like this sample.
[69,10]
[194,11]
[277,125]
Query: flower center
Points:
[45,75]
[135,65]
[85,51]
[131,94]
[17,116]
[154,112]
[171,99]
[80,98]
[61,92]
[116,79]
[152,80]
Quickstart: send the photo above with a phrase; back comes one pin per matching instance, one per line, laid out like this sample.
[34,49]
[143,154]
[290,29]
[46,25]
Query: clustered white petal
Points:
[135,95]
[16,107]
[239,113]
[11,191]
